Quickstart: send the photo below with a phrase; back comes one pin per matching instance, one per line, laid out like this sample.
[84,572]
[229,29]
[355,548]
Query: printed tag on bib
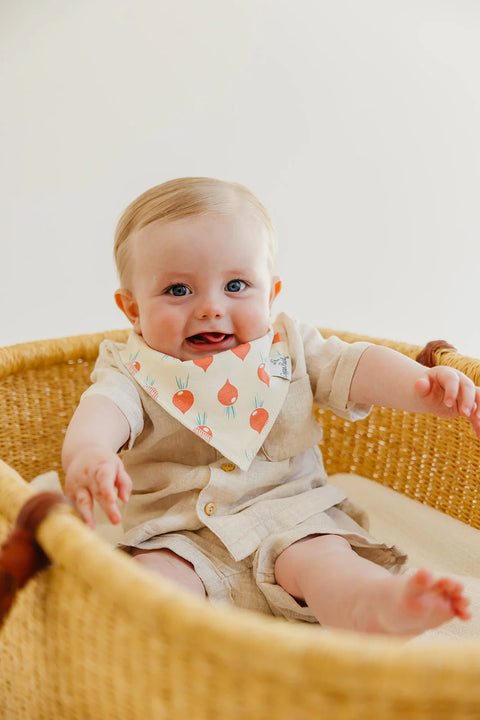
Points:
[280,366]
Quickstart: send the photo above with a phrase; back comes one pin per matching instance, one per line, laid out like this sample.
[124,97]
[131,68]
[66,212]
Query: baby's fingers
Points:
[123,483]
[450,381]
[84,502]
[467,401]
[104,492]
[475,415]
[423,386]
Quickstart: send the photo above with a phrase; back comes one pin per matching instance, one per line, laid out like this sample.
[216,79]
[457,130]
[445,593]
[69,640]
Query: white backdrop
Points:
[357,124]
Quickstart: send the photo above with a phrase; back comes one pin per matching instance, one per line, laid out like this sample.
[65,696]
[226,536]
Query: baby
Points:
[212,402]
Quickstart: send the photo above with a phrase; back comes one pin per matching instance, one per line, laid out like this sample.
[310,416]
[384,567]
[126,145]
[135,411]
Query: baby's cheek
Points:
[171,326]
[161,328]
[252,324]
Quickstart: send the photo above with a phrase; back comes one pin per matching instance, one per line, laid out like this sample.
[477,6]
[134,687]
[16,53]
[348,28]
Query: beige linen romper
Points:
[229,523]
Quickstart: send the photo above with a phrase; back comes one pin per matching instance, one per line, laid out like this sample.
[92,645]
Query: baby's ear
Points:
[127,304]
[276,287]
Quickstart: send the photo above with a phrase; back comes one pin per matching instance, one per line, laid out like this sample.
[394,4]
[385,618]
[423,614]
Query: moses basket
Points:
[96,636]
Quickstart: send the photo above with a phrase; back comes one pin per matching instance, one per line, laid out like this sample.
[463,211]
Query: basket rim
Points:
[42,353]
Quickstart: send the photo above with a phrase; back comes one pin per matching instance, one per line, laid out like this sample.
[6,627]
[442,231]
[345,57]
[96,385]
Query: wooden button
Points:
[210,508]
[228,467]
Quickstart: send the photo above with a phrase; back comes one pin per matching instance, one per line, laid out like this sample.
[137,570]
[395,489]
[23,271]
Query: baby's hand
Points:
[448,393]
[93,474]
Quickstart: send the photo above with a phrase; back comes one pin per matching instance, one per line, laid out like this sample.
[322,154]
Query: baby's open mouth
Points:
[210,338]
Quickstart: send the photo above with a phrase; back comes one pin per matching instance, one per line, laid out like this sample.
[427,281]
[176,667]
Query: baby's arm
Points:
[92,467]
[387,378]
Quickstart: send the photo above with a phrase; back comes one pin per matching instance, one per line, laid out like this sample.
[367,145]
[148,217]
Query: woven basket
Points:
[95,636]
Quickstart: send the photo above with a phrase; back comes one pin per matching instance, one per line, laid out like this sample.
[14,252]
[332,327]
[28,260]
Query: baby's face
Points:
[200,285]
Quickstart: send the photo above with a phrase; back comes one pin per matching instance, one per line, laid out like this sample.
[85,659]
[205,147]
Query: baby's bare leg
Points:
[344,590]
[172,566]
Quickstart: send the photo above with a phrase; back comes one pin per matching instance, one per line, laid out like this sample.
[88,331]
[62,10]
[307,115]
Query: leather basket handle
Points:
[427,355]
[21,557]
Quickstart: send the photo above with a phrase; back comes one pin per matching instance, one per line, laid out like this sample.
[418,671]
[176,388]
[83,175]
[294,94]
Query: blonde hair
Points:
[182,198]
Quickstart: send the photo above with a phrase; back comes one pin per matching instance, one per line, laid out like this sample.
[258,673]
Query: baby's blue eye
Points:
[235,286]
[179,290]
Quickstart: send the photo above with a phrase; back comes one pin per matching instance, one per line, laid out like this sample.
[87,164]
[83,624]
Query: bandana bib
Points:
[230,399]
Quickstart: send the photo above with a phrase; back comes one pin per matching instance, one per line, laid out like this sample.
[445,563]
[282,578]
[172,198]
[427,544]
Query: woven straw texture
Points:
[95,636]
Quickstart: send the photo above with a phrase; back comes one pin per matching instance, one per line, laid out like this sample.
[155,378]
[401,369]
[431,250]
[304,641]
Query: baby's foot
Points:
[419,602]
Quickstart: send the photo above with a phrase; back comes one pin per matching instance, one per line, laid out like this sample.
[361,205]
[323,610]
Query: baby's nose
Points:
[210,307]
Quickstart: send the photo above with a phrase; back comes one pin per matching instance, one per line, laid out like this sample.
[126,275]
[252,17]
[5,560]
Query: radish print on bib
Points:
[230,400]
[183,398]
[228,396]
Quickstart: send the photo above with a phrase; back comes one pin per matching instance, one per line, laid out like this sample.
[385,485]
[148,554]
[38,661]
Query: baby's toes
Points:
[420,582]
[460,607]
[446,586]
[451,591]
